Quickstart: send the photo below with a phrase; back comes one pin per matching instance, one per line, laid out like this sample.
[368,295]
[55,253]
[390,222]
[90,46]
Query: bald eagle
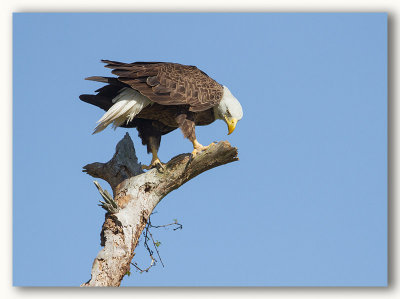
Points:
[159,97]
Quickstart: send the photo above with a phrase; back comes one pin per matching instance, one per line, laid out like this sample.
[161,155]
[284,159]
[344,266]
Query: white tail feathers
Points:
[127,104]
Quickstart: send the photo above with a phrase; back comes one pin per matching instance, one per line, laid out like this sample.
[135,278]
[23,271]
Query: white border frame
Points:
[8,7]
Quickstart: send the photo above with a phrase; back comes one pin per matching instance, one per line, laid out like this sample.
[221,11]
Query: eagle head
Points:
[229,110]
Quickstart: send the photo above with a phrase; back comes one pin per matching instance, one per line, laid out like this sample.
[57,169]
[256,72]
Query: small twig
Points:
[109,205]
[179,226]
[146,238]
[146,245]
[153,262]
[155,246]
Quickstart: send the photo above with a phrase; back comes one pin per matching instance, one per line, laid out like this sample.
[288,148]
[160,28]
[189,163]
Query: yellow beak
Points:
[231,124]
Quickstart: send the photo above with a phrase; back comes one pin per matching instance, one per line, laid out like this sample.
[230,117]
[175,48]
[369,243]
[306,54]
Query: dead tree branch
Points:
[136,194]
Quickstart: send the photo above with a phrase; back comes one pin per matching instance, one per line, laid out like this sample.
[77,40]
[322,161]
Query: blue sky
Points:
[306,205]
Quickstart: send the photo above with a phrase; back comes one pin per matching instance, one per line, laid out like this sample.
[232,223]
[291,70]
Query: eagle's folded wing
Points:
[168,83]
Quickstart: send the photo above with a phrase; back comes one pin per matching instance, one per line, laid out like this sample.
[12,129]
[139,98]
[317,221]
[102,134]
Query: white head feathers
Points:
[229,107]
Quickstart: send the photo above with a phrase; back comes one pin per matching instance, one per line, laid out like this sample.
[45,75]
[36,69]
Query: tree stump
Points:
[136,194]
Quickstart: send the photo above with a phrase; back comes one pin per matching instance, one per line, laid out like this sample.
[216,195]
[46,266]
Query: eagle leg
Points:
[155,163]
[153,143]
[188,127]
[197,148]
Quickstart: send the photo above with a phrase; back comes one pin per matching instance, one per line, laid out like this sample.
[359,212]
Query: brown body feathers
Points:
[181,95]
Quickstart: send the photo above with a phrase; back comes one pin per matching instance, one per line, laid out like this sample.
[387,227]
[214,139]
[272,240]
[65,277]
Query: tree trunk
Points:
[136,194]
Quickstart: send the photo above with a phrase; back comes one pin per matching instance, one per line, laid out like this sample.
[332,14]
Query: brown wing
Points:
[170,83]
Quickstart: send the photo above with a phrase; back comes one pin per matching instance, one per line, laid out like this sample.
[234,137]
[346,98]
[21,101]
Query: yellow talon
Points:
[155,163]
[197,148]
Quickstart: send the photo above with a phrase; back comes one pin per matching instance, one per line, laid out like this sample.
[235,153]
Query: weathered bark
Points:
[137,194]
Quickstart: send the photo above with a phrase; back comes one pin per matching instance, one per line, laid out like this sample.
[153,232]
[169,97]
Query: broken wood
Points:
[136,194]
